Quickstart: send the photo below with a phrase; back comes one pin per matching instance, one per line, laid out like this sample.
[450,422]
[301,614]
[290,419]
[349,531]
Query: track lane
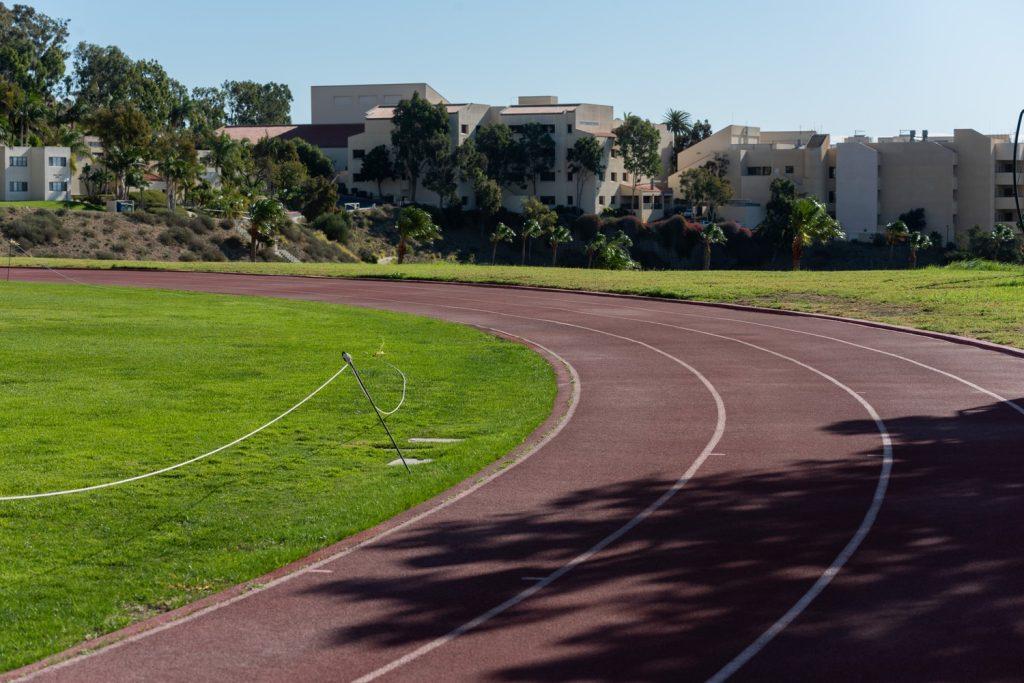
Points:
[749,462]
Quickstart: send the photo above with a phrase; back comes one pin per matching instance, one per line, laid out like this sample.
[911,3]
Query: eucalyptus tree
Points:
[419,136]
[586,160]
[637,141]
[377,166]
[537,152]
[177,162]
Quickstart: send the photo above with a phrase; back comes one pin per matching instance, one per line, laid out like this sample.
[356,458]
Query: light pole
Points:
[1016,187]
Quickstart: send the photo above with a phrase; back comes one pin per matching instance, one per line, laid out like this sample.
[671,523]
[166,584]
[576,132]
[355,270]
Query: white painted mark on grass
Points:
[425,439]
[412,461]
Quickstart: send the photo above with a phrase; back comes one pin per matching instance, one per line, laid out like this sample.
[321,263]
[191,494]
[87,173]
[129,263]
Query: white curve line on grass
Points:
[574,400]
[793,612]
[597,547]
[109,484]
[55,272]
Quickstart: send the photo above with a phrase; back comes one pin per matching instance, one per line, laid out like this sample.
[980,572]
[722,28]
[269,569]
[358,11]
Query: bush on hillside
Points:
[335,226]
[39,227]
[587,226]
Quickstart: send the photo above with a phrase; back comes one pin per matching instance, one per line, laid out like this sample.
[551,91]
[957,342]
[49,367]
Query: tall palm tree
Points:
[678,123]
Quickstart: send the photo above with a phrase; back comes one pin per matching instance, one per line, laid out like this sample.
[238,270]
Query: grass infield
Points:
[976,299]
[104,383]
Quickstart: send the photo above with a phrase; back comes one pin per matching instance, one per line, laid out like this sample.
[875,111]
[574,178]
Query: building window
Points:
[614,200]
[625,177]
[569,176]
[58,186]
[18,186]
[58,161]
[465,201]
[601,177]
[547,176]
[19,161]
[759,170]
[547,199]
[832,172]
[600,200]
[613,176]
[647,199]
[568,201]
[789,170]
[831,196]
[358,153]
[568,128]
[464,128]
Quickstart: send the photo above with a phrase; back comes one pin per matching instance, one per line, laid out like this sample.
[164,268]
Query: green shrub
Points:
[201,224]
[104,255]
[335,225]
[39,227]
[366,255]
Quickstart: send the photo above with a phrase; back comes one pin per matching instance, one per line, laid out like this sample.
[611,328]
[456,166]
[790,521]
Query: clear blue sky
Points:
[836,66]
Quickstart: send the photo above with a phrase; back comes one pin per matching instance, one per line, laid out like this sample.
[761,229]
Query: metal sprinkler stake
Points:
[348,359]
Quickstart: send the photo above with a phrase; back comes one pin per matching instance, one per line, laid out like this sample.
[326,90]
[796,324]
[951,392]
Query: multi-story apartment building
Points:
[34,173]
[565,124]
[960,180]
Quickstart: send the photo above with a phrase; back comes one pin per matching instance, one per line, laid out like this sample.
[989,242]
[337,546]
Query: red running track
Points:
[720,493]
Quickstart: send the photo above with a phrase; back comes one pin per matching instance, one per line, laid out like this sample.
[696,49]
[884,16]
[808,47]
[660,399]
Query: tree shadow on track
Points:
[934,593]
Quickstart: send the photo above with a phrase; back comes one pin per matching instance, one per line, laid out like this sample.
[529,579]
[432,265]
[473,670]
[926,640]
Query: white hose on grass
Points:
[110,484]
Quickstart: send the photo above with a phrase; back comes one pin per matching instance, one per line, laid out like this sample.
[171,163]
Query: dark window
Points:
[358,153]
[568,128]
[465,201]
[568,201]
[831,196]
[789,169]
[600,200]
[547,199]
[19,161]
[831,171]
[465,128]
[613,175]
[547,176]
[625,177]
[647,199]
[759,170]
[569,176]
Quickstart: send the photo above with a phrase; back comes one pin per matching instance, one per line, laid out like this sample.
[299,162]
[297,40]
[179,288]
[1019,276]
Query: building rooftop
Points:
[538,109]
[382,111]
[329,135]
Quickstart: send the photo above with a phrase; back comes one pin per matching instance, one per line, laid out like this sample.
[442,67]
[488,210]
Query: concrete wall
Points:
[857,189]
[917,175]
[349,103]
[38,173]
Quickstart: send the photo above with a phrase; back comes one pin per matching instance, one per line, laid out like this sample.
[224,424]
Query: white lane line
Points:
[806,599]
[597,547]
[574,400]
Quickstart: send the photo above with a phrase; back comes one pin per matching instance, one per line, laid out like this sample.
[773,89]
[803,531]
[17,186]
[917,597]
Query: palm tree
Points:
[265,218]
[558,235]
[595,246]
[917,240]
[710,235]
[530,229]
[678,123]
[811,223]
[895,232]
[415,224]
[502,233]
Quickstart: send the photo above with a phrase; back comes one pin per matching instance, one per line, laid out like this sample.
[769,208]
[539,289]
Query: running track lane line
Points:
[574,400]
[1010,403]
[822,582]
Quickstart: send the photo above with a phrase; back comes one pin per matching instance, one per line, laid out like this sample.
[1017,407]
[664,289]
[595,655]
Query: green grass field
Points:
[982,300]
[104,383]
[52,205]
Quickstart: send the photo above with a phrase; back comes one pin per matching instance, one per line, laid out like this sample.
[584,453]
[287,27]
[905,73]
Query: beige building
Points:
[565,124]
[34,173]
[960,181]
